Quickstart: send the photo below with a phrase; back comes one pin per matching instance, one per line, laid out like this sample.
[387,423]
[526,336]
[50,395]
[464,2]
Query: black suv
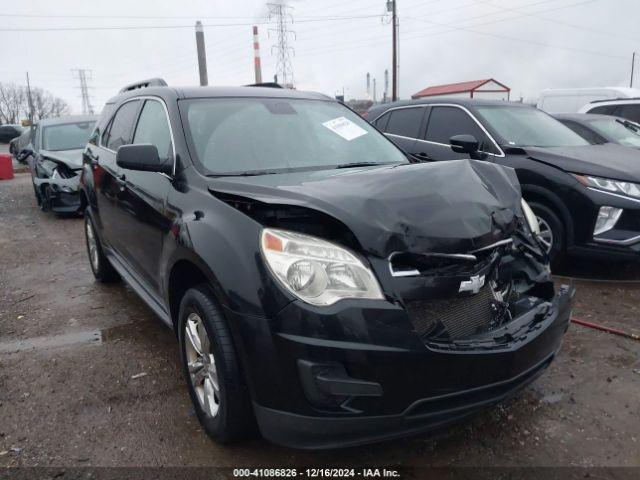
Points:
[321,285]
[586,197]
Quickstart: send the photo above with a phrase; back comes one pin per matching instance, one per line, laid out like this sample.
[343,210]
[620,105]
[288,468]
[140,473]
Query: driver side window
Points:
[445,122]
[153,128]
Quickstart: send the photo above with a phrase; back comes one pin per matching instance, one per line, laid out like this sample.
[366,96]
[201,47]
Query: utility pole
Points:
[633,64]
[87,108]
[30,100]
[256,55]
[202,55]
[280,13]
[391,7]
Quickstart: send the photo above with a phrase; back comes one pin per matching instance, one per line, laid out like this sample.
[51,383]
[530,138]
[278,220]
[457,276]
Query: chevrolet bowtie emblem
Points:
[473,285]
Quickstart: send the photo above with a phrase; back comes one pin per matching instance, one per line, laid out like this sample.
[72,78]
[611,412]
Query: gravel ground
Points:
[72,351]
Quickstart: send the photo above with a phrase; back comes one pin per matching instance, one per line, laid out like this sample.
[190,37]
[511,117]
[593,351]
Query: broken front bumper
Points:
[62,193]
[360,373]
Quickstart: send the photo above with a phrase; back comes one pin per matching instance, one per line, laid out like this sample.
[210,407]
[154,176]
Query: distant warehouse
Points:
[487,89]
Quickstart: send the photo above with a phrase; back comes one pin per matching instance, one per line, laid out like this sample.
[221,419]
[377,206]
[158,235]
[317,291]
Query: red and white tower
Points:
[256,55]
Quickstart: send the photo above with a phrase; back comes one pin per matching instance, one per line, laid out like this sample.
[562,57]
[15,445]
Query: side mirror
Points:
[464,144]
[143,157]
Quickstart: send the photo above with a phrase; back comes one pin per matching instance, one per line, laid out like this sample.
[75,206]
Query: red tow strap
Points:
[604,328]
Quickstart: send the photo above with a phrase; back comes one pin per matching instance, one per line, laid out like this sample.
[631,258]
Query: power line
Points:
[560,22]
[160,27]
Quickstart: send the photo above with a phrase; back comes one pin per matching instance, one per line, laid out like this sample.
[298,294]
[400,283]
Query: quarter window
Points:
[445,122]
[119,132]
[604,109]
[630,112]
[381,122]
[405,122]
[153,128]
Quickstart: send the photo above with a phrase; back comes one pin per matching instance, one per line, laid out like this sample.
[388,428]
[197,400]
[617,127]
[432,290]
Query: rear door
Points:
[108,177]
[402,126]
[444,122]
[141,204]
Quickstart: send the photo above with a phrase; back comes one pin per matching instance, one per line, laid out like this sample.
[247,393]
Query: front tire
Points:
[551,230]
[100,265]
[211,367]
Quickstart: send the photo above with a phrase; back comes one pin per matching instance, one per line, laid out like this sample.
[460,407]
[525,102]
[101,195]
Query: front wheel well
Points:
[534,194]
[184,275]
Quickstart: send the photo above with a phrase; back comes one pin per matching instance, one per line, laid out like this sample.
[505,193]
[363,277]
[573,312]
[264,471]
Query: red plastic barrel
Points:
[6,167]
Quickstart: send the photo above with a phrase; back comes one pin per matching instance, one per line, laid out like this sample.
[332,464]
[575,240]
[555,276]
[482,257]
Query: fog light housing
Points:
[607,219]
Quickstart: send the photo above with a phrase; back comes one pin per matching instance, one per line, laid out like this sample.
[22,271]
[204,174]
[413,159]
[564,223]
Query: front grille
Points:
[454,318]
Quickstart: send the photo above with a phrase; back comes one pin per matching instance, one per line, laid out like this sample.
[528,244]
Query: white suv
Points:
[628,108]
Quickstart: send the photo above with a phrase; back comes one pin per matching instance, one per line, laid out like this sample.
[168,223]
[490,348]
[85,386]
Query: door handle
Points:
[121,180]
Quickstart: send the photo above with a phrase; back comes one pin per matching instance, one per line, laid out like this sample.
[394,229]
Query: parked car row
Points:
[586,195]
[293,247]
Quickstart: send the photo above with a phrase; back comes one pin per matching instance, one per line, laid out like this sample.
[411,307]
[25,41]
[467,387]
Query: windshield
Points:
[619,131]
[236,136]
[68,136]
[529,127]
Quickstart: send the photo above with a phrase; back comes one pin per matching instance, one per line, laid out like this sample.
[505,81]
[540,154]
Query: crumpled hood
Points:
[608,160]
[71,158]
[443,207]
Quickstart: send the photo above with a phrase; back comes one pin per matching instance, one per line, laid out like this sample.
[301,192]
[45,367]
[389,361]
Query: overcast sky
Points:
[526,44]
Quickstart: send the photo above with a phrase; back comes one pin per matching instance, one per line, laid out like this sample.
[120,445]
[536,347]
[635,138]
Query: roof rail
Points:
[614,99]
[265,84]
[151,82]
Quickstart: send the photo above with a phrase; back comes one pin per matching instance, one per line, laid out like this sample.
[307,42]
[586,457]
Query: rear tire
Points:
[212,369]
[100,265]
[552,232]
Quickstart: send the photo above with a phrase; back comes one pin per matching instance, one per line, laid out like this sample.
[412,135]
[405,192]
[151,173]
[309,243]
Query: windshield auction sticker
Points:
[345,128]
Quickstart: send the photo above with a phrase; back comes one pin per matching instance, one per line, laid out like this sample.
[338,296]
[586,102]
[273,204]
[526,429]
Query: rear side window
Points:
[153,128]
[119,131]
[630,112]
[604,109]
[445,122]
[405,122]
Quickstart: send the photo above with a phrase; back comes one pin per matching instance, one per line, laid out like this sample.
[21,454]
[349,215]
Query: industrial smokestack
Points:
[385,97]
[256,55]
[202,55]
[368,85]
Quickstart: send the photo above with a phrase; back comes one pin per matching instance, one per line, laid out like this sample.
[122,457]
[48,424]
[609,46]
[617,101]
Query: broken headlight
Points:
[531,218]
[315,270]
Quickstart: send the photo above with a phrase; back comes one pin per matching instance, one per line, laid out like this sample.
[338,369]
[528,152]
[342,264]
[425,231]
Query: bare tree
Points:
[14,104]
[45,105]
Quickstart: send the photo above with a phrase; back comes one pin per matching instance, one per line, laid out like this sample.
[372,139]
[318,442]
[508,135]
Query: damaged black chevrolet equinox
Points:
[324,288]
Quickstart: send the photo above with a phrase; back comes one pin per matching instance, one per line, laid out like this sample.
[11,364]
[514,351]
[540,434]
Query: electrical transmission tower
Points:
[83,75]
[280,14]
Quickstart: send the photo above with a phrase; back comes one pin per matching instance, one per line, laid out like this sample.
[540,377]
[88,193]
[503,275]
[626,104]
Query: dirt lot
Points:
[70,350]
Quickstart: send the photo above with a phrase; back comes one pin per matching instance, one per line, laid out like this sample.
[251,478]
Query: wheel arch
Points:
[537,194]
[187,271]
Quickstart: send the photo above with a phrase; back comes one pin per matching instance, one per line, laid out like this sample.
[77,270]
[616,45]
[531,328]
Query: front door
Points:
[443,123]
[142,202]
